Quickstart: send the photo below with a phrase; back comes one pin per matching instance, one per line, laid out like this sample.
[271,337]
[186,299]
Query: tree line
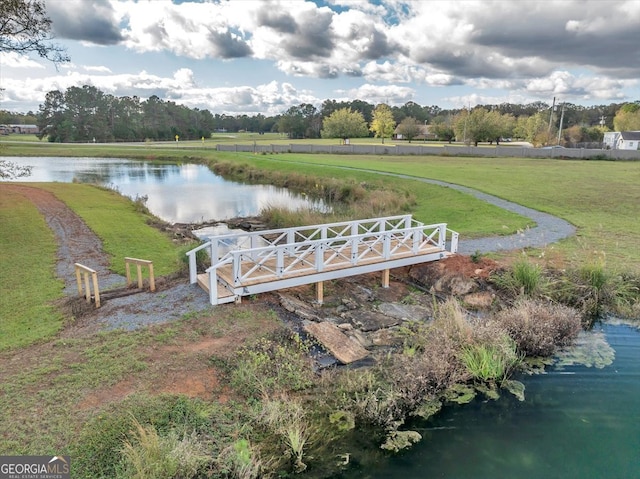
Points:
[85,114]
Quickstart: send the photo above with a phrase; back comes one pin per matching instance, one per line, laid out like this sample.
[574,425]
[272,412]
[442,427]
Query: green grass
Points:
[48,392]
[27,276]
[123,230]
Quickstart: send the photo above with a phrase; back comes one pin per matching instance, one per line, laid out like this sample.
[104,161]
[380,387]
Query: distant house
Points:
[24,129]
[621,140]
[425,133]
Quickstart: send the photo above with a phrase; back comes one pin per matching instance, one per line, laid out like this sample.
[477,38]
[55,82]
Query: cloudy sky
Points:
[262,56]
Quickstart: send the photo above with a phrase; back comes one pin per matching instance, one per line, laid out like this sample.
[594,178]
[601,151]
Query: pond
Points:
[177,193]
[576,422]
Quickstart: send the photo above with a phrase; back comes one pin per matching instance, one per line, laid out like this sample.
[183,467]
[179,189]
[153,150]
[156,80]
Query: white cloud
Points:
[15,60]
[375,94]
[96,69]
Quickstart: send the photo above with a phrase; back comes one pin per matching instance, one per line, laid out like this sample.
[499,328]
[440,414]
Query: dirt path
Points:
[76,242]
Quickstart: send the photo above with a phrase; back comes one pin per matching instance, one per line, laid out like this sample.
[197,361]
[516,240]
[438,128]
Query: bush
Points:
[594,291]
[491,362]
[539,327]
[98,450]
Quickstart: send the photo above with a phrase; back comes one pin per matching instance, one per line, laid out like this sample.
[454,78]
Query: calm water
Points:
[182,193]
[577,422]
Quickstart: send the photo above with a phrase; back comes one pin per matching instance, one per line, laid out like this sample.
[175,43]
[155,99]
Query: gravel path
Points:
[548,229]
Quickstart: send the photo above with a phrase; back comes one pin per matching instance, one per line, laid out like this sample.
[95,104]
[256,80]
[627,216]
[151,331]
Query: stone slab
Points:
[337,343]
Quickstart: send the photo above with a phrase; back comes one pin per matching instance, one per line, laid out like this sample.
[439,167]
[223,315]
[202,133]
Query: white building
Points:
[621,140]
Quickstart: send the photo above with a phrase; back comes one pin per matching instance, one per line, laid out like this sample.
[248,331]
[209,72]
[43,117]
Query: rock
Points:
[405,312]
[359,336]
[343,348]
[300,308]
[455,285]
[479,300]
[384,337]
[372,320]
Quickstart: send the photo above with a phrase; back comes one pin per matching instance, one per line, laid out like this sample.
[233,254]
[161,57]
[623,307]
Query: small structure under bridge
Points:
[255,262]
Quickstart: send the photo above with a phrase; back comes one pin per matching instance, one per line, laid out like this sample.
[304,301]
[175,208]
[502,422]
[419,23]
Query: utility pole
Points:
[561,120]
[553,107]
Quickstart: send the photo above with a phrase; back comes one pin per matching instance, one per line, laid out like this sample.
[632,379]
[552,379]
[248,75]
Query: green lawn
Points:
[599,197]
[27,276]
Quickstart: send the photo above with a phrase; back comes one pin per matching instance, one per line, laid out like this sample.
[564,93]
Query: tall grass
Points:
[491,362]
[523,279]
[285,418]
[596,291]
[147,455]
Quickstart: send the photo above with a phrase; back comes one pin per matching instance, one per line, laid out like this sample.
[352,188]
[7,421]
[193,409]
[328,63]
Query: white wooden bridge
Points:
[249,263]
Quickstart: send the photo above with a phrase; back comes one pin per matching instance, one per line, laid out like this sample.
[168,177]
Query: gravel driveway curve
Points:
[548,229]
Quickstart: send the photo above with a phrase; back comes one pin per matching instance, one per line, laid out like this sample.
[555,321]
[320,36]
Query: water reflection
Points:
[176,193]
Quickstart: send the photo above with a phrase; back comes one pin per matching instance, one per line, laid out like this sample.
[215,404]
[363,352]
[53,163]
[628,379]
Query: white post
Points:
[279,262]
[193,272]
[442,236]
[235,267]
[386,246]
[213,286]
[214,251]
[454,242]
[291,239]
[354,243]
[418,234]
[319,257]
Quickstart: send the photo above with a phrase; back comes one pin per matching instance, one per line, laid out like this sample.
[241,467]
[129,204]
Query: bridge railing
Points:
[313,249]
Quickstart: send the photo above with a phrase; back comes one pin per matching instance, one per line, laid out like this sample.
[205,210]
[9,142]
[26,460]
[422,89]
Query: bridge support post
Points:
[320,292]
[385,278]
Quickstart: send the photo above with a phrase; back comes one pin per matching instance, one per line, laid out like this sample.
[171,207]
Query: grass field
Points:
[27,277]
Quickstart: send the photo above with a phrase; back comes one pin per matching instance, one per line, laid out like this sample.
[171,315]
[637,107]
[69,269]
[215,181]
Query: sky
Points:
[260,56]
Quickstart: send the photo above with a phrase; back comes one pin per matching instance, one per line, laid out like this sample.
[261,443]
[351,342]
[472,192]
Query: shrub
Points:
[242,460]
[285,418]
[491,362]
[540,327]
[99,446]
[594,291]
